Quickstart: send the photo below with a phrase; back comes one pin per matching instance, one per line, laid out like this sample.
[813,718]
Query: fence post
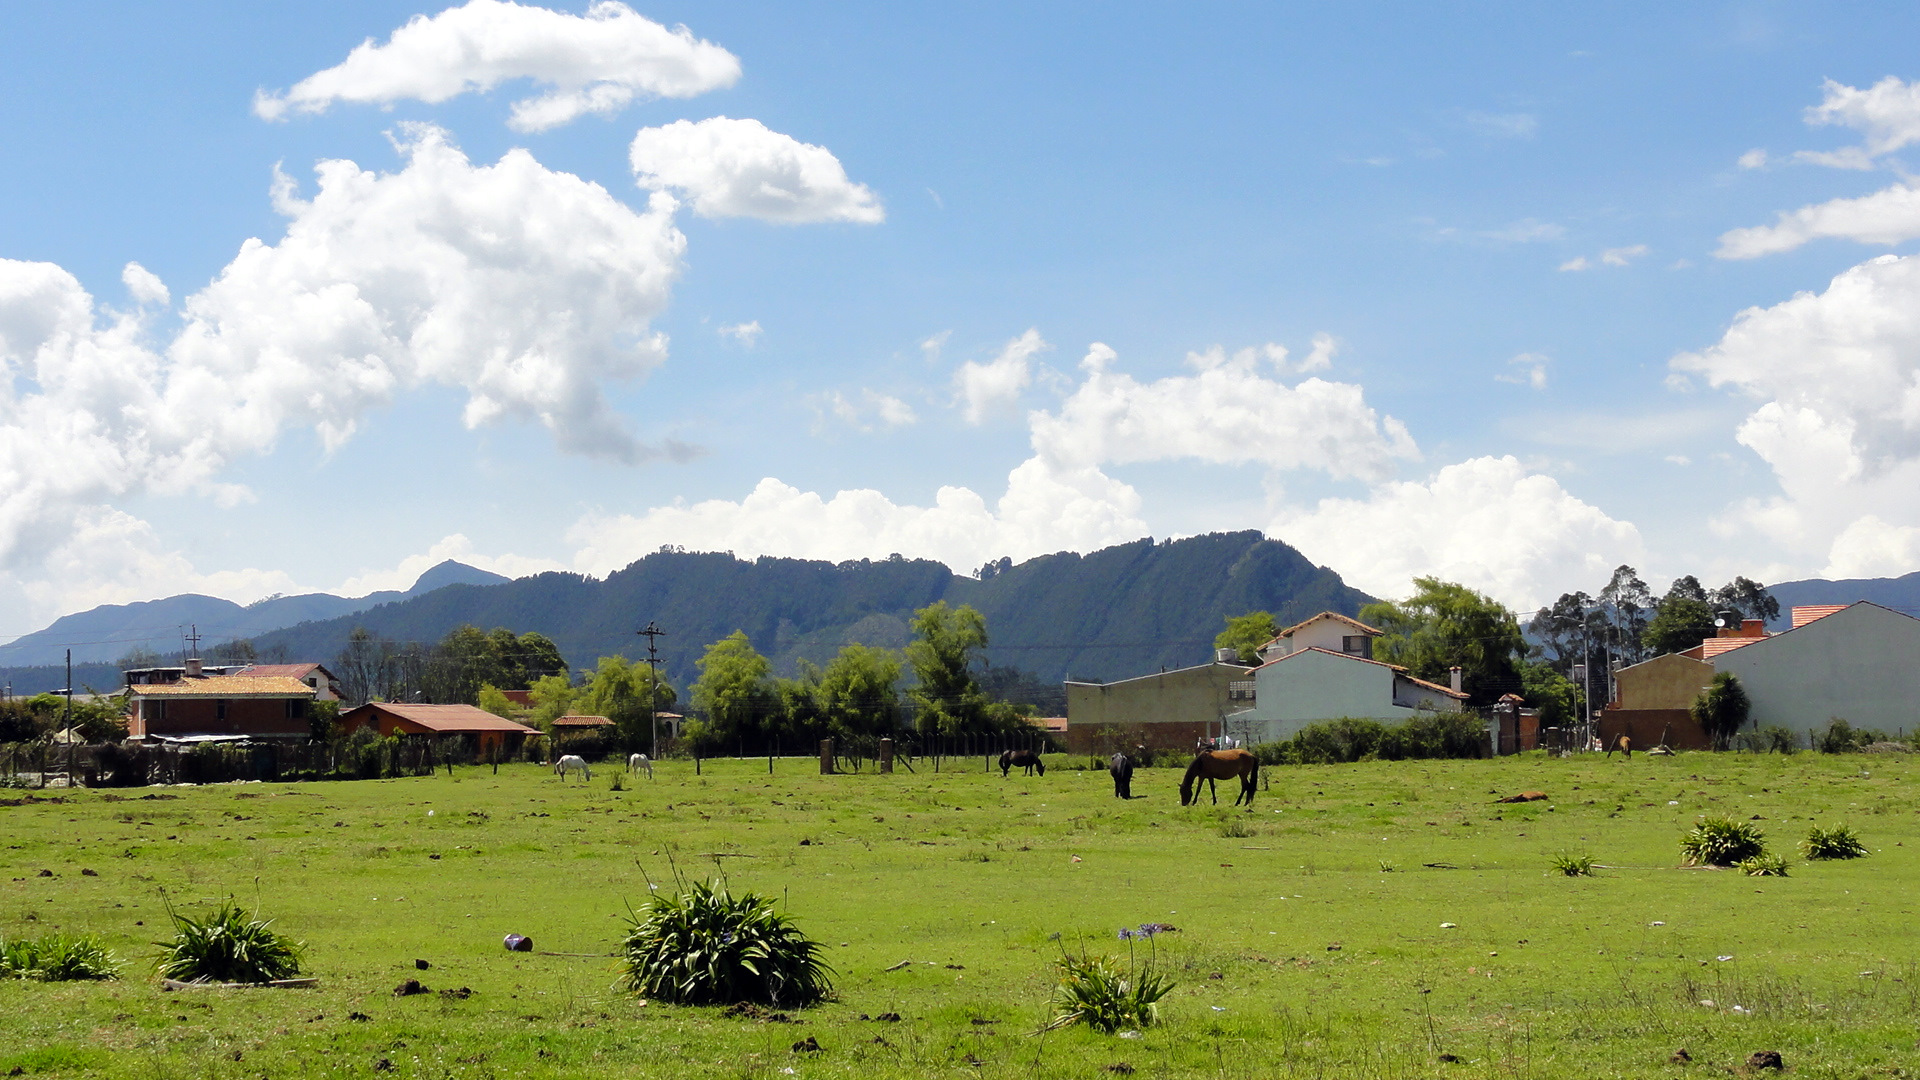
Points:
[886,756]
[826,757]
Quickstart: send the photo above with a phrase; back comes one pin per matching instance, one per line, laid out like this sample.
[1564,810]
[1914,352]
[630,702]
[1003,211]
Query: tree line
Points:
[934,686]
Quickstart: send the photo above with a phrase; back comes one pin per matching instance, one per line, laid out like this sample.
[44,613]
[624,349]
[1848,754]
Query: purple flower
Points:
[1126,934]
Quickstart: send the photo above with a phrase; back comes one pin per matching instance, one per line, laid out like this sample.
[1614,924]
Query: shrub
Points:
[1578,864]
[1839,842]
[1722,841]
[1722,709]
[1095,991]
[1346,740]
[1841,737]
[57,958]
[705,946]
[1772,739]
[1235,829]
[227,946]
[619,782]
[1763,866]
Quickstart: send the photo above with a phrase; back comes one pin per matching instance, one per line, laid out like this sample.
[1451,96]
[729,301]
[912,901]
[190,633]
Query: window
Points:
[1359,645]
[1240,691]
[296,708]
[219,710]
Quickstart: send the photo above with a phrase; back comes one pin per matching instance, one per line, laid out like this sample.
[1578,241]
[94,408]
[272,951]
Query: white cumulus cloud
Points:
[983,389]
[1228,411]
[1888,216]
[1887,113]
[746,333]
[594,63]
[864,411]
[740,168]
[1486,522]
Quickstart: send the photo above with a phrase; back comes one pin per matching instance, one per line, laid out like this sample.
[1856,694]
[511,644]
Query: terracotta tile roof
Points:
[442,719]
[1447,690]
[1048,723]
[1714,646]
[226,686]
[291,671]
[576,720]
[1807,613]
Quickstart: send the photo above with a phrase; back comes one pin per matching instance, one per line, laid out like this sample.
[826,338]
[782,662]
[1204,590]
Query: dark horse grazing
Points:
[1025,758]
[1220,765]
[1120,767]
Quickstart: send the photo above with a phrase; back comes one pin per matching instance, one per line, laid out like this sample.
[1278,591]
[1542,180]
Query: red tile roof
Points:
[439,719]
[1355,623]
[573,720]
[1714,646]
[1807,613]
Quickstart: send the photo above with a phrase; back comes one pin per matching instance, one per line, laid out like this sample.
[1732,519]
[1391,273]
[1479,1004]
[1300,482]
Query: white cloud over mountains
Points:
[740,168]
[599,62]
[524,287]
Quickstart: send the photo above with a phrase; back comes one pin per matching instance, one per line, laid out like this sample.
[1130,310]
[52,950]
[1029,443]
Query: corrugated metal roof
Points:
[226,686]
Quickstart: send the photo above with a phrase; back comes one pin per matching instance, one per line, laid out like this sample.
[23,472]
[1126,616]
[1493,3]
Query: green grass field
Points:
[1310,940]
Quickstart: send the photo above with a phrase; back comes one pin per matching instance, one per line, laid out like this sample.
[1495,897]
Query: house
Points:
[1328,630]
[1170,710]
[253,706]
[326,685]
[491,734]
[1315,683]
[1854,664]
[1837,661]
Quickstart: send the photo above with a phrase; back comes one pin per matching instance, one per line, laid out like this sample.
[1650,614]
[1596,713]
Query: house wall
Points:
[266,717]
[1411,695]
[1312,686]
[1330,634]
[1856,665]
[1160,710]
[1664,682]
[1648,727]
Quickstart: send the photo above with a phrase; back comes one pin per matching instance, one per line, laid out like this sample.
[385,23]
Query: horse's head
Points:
[1039,766]
[1186,790]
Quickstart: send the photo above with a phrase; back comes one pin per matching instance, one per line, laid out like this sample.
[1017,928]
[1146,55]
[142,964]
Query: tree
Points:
[1626,601]
[1246,633]
[1747,597]
[621,691]
[1557,699]
[950,702]
[856,694]
[496,702]
[735,694]
[1679,625]
[552,698]
[1722,709]
[1445,625]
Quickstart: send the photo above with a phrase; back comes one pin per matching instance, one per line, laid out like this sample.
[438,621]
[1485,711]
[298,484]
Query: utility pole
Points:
[652,633]
[69,724]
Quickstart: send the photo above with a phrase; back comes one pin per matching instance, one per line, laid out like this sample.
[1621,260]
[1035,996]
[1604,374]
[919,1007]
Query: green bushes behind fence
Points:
[1346,740]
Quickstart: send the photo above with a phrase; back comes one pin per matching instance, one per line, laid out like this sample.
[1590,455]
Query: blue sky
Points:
[1475,278]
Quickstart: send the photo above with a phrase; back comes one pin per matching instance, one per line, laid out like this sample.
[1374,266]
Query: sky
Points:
[311,297]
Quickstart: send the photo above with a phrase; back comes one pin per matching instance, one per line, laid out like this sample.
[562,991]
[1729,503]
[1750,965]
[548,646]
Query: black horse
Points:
[1027,759]
[1120,767]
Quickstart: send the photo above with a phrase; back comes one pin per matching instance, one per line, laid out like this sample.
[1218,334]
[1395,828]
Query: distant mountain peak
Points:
[452,572]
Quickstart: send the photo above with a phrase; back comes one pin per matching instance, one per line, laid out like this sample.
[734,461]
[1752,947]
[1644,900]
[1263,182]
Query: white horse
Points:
[571,762]
[639,763]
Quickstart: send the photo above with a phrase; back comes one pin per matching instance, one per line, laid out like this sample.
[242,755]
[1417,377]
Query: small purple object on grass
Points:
[519,943]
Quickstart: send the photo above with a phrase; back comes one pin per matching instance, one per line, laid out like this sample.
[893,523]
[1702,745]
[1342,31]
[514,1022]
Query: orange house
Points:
[490,733]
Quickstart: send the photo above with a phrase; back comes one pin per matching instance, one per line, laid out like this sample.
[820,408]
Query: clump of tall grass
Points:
[57,958]
[1098,992]
[1574,864]
[1839,842]
[705,946]
[227,946]
[1722,841]
[1763,866]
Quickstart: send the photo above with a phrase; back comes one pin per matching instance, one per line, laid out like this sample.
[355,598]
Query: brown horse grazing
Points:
[1220,765]
[1025,758]
[1120,767]
[1624,745]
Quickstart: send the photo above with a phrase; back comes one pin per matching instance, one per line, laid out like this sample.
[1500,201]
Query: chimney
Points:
[1453,677]
[1226,656]
[193,667]
[1753,628]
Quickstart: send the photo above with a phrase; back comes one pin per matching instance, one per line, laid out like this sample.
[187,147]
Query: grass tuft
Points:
[1763,866]
[706,946]
[1574,864]
[227,946]
[1095,991]
[1722,841]
[57,958]
[1839,842]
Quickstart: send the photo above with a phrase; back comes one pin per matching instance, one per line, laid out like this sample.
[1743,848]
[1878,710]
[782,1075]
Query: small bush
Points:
[1344,741]
[1578,864]
[1772,739]
[1095,991]
[1839,842]
[1722,841]
[1235,829]
[705,946]
[1763,866]
[1841,737]
[619,782]
[227,946]
[57,958]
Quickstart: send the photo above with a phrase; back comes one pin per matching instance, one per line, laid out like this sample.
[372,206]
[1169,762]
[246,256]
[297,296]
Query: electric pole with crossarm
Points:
[652,633]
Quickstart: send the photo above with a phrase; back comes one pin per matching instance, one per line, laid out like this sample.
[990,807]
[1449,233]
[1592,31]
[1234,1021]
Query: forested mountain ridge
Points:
[1121,611]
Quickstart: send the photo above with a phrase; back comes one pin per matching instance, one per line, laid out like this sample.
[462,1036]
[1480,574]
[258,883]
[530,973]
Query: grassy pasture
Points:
[1310,937]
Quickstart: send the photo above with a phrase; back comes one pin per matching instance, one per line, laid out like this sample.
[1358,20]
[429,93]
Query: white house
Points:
[1853,663]
[1304,681]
